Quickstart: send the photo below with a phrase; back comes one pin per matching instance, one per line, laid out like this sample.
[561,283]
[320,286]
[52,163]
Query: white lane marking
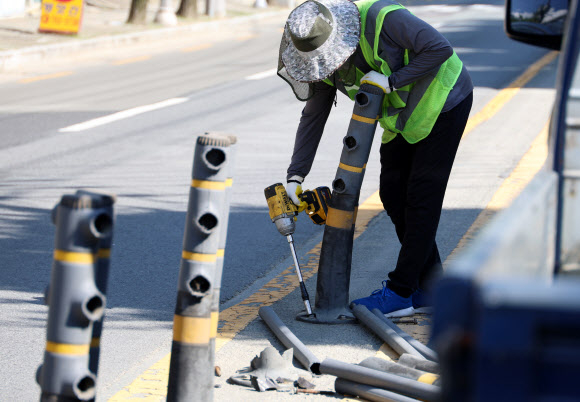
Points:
[259,76]
[121,115]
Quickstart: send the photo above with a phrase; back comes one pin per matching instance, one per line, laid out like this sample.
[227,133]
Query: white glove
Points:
[293,188]
[378,80]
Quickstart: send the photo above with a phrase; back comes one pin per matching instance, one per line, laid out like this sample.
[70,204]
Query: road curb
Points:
[12,59]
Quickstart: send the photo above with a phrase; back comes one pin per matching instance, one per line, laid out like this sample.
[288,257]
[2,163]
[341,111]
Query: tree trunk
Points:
[138,13]
[187,9]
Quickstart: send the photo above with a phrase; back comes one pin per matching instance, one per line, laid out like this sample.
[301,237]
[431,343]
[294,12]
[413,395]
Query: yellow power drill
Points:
[284,214]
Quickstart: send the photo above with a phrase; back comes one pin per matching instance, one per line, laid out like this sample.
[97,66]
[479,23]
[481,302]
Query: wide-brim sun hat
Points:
[318,38]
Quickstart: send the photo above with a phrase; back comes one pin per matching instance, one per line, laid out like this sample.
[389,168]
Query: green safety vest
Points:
[413,109]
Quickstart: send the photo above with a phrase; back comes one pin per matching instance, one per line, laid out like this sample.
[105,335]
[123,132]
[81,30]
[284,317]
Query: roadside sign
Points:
[61,16]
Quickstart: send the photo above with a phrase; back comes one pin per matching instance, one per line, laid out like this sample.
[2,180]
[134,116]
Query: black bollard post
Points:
[74,301]
[221,246]
[333,281]
[102,267]
[190,371]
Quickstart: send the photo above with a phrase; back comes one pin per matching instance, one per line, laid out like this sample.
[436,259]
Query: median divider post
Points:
[333,280]
[395,368]
[418,363]
[190,368]
[423,350]
[376,378]
[383,331]
[369,392]
[215,307]
[74,302]
[102,267]
[288,339]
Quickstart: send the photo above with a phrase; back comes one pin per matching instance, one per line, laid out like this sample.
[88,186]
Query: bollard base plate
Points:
[343,318]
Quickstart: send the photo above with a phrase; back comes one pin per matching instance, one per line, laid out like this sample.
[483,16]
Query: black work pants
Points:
[412,186]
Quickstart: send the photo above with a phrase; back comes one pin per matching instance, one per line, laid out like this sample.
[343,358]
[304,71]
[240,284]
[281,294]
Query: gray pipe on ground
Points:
[369,392]
[420,364]
[288,339]
[426,351]
[394,368]
[392,382]
[383,331]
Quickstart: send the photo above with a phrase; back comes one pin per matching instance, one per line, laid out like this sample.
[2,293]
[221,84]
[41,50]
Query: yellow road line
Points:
[152,384]
[508,93]
[45,77]
[196,48]
[131,60]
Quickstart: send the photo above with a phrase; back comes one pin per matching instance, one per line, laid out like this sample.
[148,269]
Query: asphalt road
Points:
[217,84]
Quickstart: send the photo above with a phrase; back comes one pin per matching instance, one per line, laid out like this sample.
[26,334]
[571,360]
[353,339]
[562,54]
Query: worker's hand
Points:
[294,189]
[378,80]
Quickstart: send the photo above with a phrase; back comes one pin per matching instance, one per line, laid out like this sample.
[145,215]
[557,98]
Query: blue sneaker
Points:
[422,302]
[388,302]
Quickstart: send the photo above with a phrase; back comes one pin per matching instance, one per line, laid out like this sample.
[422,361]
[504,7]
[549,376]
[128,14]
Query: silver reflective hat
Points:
[318,38]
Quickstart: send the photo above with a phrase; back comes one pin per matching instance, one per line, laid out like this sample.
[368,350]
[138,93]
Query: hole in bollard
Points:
[85,388]
[199,285]
[102,225]
[207,222]
[339,186]
[215,157]
[315,368]
[350,142]
[94,308]
[361,99]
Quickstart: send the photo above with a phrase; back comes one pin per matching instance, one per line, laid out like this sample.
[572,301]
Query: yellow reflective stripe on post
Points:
[95,342]
[428,378]
[229,182]
[104,253]
[188,255]
[191,330]
[208,185]
[339,219]
[220,252]
[363,119]
[214,324]
[353,169]
[71,256]
[67,348]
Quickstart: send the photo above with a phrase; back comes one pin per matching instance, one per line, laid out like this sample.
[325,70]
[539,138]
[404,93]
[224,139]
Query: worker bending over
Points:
[428,98]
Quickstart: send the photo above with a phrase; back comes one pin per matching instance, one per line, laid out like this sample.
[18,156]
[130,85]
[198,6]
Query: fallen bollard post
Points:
[190,368]
[424,350]
[420,364]
[380,379]
[333,279]
[217,284]
[74,302]
[395,368]
[288,339]
[383,331]
[369,392]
